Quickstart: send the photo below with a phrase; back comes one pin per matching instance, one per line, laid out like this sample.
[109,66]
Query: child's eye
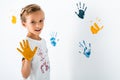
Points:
[41,21]
[33,22]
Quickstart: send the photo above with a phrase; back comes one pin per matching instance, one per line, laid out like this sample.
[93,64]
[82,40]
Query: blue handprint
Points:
[81,10]
[86,48]
[53,39]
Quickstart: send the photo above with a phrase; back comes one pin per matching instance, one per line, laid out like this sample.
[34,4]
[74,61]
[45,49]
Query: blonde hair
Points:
[28,10]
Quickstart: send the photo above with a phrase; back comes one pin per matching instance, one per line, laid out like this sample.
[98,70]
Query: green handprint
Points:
[26,50]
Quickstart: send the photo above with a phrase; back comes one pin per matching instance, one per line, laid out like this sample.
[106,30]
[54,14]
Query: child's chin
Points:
[37,33]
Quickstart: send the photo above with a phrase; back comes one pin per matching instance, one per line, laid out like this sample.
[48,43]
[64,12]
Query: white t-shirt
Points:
[40,66]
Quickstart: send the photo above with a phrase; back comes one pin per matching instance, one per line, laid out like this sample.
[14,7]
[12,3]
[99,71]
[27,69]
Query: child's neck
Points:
[33,37]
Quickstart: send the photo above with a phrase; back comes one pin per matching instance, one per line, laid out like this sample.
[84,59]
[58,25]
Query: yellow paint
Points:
[14,20]
[95,28]
[26,50]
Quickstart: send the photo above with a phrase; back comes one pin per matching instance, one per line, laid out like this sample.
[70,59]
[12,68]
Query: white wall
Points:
[66,61]
[103,63]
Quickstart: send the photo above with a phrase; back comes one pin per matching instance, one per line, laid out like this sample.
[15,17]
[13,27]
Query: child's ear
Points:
[23,23]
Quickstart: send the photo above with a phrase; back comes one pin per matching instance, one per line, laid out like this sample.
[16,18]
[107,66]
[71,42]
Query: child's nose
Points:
[37,24]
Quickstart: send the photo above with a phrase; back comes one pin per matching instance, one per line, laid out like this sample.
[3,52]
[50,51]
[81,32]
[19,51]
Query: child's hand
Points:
[26,50]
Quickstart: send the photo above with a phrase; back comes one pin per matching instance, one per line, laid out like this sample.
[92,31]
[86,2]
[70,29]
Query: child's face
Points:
[34,23]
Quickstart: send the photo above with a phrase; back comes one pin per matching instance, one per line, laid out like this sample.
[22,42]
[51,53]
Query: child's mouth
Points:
[38,30]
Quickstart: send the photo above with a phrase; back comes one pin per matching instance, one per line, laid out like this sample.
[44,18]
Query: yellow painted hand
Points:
[26,50]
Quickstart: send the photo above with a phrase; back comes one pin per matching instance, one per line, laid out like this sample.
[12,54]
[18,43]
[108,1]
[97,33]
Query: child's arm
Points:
[28,55]
[26,68]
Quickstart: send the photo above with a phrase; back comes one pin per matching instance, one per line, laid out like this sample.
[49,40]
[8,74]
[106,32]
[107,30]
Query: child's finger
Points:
[27,44]
[24,43]
[35,49]
[19,50]
[21,46]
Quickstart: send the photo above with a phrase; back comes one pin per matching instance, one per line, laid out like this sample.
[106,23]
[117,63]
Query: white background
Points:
[66,62]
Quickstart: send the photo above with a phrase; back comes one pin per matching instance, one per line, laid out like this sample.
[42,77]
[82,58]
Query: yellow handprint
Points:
[14,20]
[95,28]
[26,50]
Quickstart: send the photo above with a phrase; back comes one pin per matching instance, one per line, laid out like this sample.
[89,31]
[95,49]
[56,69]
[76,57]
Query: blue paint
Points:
[53,39]
[53,42]
[86,47]
[81,10]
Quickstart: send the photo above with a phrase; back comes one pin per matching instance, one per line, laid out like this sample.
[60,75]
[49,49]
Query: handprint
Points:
[81,10]
[13,16]
[86,48]
[14,19]
[26,50]
[95,28]
[53,39]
